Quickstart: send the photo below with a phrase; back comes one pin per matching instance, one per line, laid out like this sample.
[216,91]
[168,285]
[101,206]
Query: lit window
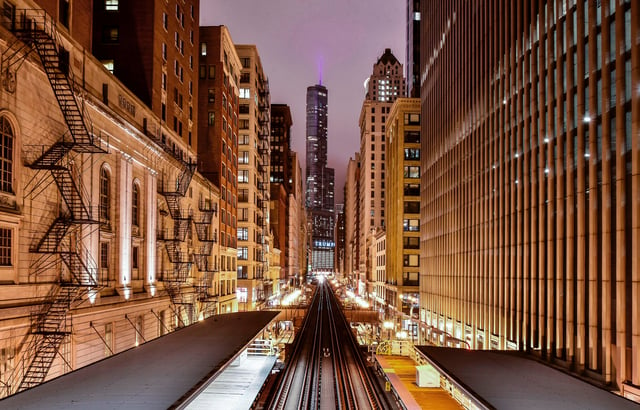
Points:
[111,5]
[203,49]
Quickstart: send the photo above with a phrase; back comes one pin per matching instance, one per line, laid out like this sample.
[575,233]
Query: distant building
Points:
[218,90]
[297,224]
[403,208]
[385,84]
[280,183]
[152,47]
[413,48]
[352,222]
[254,279]
[320,182]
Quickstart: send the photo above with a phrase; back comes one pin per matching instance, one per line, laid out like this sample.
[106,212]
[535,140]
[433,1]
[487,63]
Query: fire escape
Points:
[36,31]
[264,133]
[176,279]
[202,257]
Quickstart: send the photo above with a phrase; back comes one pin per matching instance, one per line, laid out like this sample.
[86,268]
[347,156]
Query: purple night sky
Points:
[303,41]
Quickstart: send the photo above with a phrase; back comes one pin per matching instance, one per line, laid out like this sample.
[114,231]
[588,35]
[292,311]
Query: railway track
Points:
[326,369]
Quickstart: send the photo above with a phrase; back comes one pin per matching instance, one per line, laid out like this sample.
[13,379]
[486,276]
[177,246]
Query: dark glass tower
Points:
[413,48]
[320,181]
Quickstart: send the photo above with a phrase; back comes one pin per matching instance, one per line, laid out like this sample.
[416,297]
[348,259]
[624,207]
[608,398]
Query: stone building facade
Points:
[107,233]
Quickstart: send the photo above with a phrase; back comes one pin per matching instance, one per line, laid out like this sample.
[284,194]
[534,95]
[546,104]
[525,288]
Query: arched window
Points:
[105,196]
[135,205]
[6,155]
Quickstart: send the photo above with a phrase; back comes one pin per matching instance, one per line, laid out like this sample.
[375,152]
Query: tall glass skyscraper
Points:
[320,181]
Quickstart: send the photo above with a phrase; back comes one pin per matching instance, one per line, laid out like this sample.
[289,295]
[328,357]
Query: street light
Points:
[388,325]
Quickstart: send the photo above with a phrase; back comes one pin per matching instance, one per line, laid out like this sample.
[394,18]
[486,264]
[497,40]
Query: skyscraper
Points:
[385,84]
[320,181]
[151,46]
[413,48]
[529,222]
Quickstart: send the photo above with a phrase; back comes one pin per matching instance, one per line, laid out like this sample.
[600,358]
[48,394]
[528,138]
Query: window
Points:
[412,171]
[134,257]
[110,34]
[411,154]
[135,205]
[411,225]
[411,260]
[108,64]
[243,157]
[105,196]
[245,93]
[211,118]
[164,51]
[104,255]
[243,140]
[111,5]
[165,21]
[412,119]
[412,189]
[6,155]
[203,71]
[243,176]
[411,207]
[411,242]
[246,62]
[243,234]
[211,96]
[412,137]
[243,253]
[212,71]
[6,236]
[203,49]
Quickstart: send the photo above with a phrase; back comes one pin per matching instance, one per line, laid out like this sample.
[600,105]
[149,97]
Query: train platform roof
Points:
[159,374]
[509,380]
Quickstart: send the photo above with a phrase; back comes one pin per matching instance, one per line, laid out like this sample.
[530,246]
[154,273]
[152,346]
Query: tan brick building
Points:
[218,104]
[403,205]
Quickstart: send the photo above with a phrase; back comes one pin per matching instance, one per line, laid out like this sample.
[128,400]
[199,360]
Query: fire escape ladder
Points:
[176,280]
[50,242]
[50,325]
[71,193]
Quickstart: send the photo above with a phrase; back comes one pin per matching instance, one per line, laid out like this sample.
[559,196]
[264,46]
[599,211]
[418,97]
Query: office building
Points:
[529,223]
[320,182]
[403,206]
[152,47]
[385,84]
[412,64]
[253,180]
[218,105]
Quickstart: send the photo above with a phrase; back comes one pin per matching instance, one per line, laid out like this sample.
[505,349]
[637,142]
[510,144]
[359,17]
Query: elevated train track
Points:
[326,368]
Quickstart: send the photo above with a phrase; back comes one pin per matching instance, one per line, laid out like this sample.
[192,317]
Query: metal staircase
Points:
[264,133]
[202,258]
[176,279]
[36,31]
